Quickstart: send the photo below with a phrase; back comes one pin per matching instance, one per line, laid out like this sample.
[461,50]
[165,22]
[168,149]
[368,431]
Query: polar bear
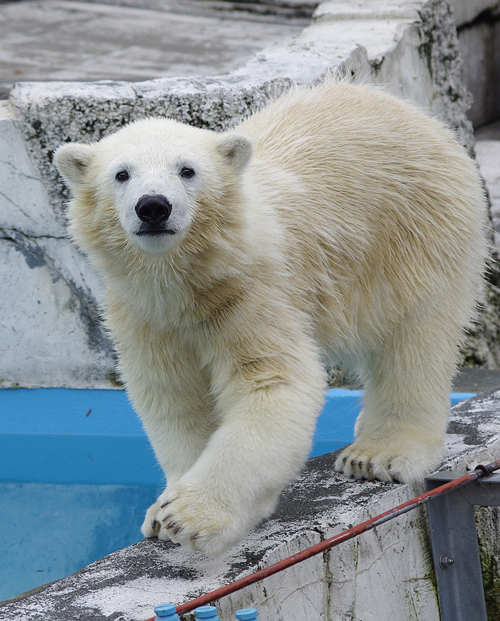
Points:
[337,223]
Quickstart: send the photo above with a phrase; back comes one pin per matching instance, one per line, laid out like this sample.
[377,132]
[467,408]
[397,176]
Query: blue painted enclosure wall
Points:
[58,435]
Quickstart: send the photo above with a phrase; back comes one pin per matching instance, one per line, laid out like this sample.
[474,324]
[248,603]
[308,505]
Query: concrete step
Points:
[87,41]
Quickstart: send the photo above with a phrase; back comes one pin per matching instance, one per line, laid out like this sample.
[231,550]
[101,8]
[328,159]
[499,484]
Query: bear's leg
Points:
[178,437]
[179,421]
[400,431]
[265,435]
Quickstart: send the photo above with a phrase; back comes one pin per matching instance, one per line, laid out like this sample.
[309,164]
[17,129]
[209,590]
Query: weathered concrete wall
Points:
[488,157]
[478,23]
[50,335]
[384,574]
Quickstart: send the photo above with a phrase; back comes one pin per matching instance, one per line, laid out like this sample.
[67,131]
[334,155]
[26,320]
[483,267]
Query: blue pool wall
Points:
[94,437]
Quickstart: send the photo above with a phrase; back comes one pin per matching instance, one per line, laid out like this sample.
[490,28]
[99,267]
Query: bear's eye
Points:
[186,172]
[122,175]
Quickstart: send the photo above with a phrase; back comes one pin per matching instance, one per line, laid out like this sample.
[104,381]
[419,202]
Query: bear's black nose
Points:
[154,210]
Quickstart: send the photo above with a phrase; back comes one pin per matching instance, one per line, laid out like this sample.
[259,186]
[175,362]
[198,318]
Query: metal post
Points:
[455,548]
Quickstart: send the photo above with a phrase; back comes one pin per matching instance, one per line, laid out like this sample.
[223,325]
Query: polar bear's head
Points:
[149,181]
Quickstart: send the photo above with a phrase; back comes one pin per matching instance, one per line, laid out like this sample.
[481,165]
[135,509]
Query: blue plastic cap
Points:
[167,612]
[247,614]
[206,612]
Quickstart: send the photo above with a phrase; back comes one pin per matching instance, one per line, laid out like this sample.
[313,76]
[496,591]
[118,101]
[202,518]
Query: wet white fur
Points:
[338,222]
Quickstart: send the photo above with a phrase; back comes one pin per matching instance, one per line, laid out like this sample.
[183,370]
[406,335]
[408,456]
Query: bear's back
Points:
[376,199]
[361,144]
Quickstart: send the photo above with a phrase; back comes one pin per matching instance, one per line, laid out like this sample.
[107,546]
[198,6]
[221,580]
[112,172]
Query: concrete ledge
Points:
[384,574]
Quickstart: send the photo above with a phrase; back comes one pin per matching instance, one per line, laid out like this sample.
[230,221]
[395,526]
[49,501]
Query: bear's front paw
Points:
[200,520]
[398,460]
[151,526]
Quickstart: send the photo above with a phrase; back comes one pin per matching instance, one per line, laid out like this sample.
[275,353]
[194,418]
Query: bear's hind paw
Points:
[398,464]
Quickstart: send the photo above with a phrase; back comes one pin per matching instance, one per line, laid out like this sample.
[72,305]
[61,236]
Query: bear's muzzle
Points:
[153,210]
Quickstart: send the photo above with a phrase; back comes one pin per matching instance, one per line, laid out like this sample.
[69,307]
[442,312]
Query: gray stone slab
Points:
[256,10]
[491,131]
[475,380]
[68,40]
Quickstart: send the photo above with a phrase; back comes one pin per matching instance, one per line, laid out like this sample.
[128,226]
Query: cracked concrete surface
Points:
[51,335]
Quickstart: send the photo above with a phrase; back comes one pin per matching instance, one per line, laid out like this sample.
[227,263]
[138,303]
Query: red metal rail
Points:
[478,473]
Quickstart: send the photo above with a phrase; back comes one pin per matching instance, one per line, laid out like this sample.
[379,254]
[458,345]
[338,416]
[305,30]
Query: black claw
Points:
[168,517]
[165,504]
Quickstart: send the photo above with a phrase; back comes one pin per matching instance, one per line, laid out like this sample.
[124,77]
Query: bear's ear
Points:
[72,161]
[236,148]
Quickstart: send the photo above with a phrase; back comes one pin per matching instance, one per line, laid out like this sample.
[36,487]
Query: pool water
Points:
[50,530]
[77,474]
